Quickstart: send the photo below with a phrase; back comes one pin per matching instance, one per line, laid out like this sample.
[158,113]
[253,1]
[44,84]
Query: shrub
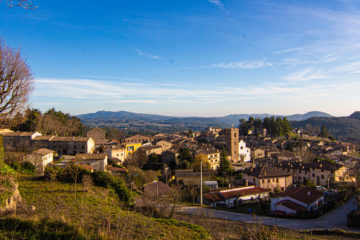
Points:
[67,175]
[24,167]
[102,179]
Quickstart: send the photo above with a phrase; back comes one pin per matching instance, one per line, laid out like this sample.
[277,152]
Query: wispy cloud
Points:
[242,65]
[148,55]
[306,75]
[217,3]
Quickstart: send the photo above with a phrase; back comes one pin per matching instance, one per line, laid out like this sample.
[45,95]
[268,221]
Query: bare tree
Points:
[15,82]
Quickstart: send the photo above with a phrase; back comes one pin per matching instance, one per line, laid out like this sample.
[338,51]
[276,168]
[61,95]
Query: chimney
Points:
[309,193]
[246,182]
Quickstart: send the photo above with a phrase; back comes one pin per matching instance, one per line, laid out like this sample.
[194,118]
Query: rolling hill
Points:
[160,123]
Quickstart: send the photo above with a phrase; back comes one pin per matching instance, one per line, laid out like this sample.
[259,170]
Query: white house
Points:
[235,196]
[244,152]
[96,161]
[40,159]
[298,200]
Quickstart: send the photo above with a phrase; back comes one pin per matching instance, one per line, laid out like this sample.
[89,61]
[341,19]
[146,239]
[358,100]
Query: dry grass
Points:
[97,212]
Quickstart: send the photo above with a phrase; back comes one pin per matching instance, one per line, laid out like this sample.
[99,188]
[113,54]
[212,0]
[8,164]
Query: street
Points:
[335,218]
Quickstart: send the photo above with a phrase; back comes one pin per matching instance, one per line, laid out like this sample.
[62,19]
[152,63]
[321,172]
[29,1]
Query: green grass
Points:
[98,212]
[15,228]
[7,183]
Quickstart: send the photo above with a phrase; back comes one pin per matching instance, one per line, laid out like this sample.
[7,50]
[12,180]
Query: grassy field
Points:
[97,212]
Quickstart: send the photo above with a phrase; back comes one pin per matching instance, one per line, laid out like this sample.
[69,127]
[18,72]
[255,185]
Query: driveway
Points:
[336,218]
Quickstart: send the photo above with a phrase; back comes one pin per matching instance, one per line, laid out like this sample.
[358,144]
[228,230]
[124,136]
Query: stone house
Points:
[258,153]
[72,145]
[268,177]
[40,159]
[138,139]
[319,173]
[97,161]
[116,152]
[157,149]
[18,141]
[96,133]
[164,145]
[295,201]
[41,142]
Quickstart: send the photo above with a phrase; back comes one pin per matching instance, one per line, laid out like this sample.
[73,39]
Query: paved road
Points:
[336,218]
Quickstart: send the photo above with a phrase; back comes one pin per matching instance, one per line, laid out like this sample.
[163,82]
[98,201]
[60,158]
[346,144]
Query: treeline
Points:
[51,122]
[275,127]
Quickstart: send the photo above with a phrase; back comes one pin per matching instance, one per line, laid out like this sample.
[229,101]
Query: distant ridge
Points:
[153,122]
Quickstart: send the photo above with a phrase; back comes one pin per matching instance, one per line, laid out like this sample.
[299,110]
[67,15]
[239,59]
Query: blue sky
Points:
[190,57]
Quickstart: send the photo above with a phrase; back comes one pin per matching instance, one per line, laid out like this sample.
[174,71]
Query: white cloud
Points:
[242,65]
[141,53]
[306,75]
[217,3]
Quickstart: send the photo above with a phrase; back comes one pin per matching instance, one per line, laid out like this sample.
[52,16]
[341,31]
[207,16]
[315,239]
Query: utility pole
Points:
[201,185]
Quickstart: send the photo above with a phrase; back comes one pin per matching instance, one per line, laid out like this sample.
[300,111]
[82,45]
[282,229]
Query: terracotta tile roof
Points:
[43,151]
[17,134]
[42,138]
[265,172]
[243,192]
[303,194]
[69,139]
[150,147]
[234,193]
[292,205]
[85,157]
[328,166]
[100,141]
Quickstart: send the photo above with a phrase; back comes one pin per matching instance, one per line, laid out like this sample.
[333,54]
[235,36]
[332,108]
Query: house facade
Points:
[96,161]
[72,145]
[268,177]
[40,159]
[210,156]
[117,152]
[18,141]
[236,196]
[96,133]
[295,201]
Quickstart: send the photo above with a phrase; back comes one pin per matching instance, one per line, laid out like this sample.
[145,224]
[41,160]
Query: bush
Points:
[72,171]
[24,167]
[52,172]
[102,179]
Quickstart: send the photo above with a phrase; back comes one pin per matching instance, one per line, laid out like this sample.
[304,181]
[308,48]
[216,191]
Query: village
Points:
[294,176]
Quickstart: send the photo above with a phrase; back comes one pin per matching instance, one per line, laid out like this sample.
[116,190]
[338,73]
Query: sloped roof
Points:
[303,194]
[42,138]
[18,134]
[69,139]
[43,151]
[266,172]
[292,205]
[87,157]
[234,193]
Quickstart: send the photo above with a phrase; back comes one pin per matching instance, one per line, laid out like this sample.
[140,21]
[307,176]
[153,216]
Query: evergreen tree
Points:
[224,169]
[324,132]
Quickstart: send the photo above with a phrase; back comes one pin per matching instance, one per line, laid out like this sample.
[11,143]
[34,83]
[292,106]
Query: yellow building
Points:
[131,148]
[211,156]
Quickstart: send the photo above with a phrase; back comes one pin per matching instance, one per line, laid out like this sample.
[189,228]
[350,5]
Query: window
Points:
[277,180]
[313,174]
[322,176]
[268,180]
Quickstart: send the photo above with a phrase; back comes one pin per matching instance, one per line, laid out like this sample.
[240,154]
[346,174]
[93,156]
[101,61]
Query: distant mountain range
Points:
[160,123]
[342,128]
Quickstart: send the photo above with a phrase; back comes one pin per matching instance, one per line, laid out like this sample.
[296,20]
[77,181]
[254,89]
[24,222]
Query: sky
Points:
[190,57]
